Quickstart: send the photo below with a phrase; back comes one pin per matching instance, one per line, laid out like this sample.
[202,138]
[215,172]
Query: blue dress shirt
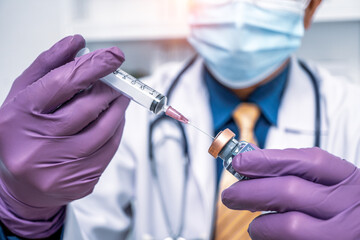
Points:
[223,103]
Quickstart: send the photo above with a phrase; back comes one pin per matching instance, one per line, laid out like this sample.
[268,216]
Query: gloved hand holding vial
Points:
[281,181]
[315,195]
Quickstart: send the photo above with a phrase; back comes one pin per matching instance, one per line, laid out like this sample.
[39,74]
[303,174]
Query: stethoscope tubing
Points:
[317,103]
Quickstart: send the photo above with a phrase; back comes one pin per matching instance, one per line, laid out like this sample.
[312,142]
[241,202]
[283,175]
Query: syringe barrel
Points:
[136,90]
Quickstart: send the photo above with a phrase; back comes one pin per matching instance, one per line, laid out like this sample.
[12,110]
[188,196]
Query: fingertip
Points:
[98,63]
[250,230]
[236,162]
[242,157]
[257,228]
[65,40]
[78,38]
[245,163]
[227,199]
[231,197]
[118,53]
[74,43]
[78,41]
[109,58]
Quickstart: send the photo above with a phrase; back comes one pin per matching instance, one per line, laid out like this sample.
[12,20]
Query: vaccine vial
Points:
[225,146]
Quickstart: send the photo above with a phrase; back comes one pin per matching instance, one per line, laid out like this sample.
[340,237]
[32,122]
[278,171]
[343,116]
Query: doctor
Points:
[161,181]
[149,190]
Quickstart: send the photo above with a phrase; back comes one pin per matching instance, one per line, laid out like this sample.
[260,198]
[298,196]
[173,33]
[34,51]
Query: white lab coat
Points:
[125,202]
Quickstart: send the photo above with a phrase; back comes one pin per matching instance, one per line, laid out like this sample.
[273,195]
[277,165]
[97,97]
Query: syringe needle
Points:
[173,113]
[200,130]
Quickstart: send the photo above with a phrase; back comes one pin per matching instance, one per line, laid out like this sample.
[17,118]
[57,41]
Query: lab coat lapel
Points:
[191,98]
[296,119]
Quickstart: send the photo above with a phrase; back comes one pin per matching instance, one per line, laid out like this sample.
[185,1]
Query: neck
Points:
[244,93]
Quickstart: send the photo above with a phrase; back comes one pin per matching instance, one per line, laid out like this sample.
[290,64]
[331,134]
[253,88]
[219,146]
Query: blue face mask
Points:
[243,43]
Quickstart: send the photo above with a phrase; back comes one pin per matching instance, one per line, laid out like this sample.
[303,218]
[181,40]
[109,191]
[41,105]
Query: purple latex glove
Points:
[59,129]
[316,195]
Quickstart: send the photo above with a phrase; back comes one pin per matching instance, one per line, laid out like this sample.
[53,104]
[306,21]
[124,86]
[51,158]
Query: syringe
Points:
[142,94]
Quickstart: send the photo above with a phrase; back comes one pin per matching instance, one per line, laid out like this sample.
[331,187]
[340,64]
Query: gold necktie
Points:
[233,224]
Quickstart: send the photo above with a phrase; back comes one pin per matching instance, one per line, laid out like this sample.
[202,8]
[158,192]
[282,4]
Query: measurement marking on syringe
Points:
[138,92]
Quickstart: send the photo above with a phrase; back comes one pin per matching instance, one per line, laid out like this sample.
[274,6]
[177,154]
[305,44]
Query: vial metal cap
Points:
[220,141]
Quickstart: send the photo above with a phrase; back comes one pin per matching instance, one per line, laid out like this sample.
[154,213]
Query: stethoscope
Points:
[185,146]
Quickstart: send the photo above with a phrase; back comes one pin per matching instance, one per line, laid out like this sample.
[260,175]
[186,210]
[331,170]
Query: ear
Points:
[310,11]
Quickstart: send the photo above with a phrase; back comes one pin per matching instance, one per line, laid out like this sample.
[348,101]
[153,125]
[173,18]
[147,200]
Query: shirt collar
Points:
[267,97]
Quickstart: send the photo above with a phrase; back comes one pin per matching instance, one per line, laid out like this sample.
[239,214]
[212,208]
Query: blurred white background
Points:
[152,32]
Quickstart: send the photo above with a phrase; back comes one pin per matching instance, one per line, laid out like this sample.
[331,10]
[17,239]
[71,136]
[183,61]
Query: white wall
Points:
[335,45]
[26,29]
[29,27]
